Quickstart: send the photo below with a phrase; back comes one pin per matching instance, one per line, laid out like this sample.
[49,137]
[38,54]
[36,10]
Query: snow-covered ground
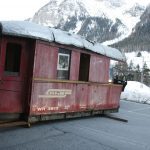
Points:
[136,91]
[132,56]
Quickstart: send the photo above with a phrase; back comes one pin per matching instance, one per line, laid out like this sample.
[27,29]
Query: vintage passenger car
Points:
[46,73]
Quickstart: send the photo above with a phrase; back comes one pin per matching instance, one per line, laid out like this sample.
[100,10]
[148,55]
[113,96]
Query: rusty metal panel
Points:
[104,96]
[11,85]
[74,68]
[1,57]
[99,69]
[114,96]
[45,61]
[98,96]
[50,98]
[82,96]
[13,88]
[10,102]
[46,101]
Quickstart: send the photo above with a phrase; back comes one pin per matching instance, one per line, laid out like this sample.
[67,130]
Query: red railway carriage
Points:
[48,74]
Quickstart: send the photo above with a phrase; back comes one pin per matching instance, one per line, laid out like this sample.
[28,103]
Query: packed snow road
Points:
[95,133]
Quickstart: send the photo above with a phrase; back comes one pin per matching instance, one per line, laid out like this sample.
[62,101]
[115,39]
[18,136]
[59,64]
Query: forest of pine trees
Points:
[135,73]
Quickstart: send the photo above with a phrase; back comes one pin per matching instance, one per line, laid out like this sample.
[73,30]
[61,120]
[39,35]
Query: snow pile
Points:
[136,91]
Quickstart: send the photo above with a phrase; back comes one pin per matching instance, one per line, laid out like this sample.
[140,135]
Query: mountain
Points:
[100,29]
[139,40]
[64,14]
[107,21]
[123,24]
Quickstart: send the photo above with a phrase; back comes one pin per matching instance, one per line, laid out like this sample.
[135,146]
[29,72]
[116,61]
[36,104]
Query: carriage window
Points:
[12,60]
[63,64]
[84,67]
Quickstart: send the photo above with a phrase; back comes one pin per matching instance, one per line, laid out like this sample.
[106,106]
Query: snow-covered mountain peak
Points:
[114,3]
[58,12]
[129,13]
[115,9]
[72,8]
[136,10]
[115,19]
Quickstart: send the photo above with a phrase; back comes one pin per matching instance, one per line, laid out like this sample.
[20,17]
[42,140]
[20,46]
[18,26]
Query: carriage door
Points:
[13,83]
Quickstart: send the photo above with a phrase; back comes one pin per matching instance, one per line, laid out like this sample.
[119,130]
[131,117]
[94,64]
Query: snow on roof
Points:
[66,38]
[35,31]
[113,53]
[26,29]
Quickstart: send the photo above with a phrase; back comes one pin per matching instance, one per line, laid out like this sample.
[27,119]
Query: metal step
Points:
[110,116]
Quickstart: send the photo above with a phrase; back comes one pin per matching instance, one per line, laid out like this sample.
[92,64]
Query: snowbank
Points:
[136,91]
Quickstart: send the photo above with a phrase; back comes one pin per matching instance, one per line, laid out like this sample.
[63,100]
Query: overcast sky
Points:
[19,9]
[24,9]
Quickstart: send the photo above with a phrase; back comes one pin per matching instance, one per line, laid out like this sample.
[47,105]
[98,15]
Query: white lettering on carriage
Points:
[56,93]
[41,109]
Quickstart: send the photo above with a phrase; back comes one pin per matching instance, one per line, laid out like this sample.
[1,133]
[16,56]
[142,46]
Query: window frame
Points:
[68,61]
[63,73]
[16,67]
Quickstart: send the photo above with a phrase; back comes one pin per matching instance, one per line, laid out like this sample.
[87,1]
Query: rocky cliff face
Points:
[100,29]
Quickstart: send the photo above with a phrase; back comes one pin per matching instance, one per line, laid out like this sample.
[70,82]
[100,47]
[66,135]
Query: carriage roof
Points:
[35,31]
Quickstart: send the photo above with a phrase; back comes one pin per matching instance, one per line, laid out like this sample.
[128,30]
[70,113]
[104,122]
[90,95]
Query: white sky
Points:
[23,9]
[19,9]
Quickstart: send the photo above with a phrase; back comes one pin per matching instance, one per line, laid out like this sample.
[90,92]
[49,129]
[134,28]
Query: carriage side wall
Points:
[52,96]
